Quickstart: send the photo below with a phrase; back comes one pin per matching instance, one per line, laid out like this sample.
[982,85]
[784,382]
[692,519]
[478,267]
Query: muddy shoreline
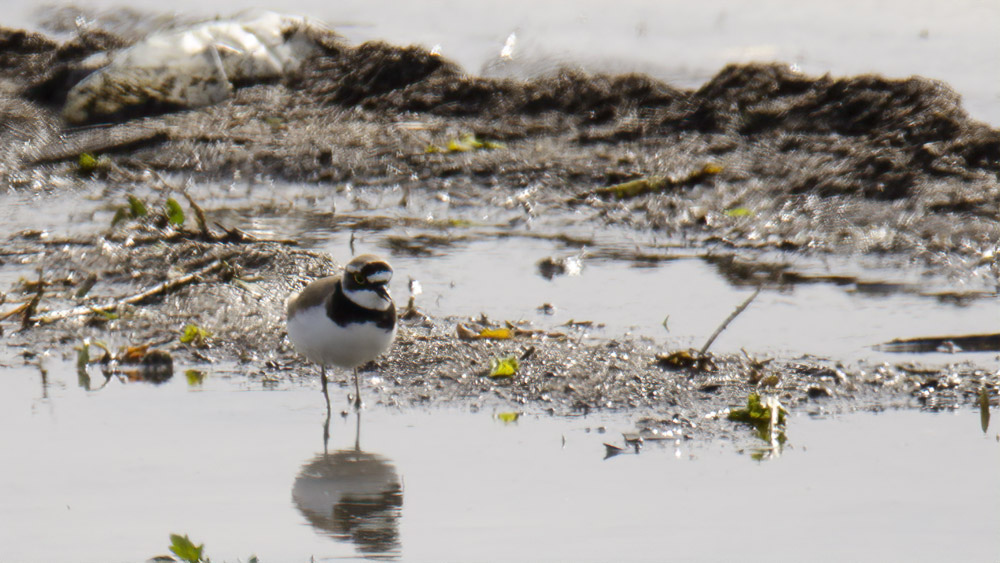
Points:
[759,160]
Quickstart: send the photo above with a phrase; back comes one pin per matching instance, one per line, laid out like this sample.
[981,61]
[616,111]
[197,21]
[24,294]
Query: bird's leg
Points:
[357,390]
[326,423]
[326,429]
[357,431]
[322,373]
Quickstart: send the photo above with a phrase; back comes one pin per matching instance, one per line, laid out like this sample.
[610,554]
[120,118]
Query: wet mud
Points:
[761,159]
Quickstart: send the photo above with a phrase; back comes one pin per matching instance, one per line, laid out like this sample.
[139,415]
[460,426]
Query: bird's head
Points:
[366,282]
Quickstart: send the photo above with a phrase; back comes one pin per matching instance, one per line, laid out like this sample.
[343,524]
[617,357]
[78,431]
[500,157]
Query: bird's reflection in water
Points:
[352,495]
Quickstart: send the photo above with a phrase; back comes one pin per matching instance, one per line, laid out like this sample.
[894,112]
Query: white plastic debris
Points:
[192,67]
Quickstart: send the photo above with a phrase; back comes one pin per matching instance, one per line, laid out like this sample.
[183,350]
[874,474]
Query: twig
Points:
[158,289]
[19,309]
[29,311]
[199,215]
[726,322]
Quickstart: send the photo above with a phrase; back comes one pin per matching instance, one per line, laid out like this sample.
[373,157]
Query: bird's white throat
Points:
[368,299]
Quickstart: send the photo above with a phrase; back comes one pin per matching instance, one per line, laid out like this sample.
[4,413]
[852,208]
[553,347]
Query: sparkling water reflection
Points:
[353,496]
[217,461]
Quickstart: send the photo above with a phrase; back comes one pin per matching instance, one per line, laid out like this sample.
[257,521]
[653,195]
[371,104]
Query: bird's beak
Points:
[383,291]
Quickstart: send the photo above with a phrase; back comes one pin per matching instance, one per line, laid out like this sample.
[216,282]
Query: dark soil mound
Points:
[381,77]
[909,126]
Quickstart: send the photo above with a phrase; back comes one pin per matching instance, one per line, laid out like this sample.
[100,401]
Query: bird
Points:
[344,321]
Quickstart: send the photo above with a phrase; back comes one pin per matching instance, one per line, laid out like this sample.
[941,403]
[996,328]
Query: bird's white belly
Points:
[322,341]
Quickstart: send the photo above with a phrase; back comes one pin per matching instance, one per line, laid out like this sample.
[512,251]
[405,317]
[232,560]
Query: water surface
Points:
[239,464]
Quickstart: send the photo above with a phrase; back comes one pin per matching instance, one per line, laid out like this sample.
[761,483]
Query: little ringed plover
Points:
[344,321]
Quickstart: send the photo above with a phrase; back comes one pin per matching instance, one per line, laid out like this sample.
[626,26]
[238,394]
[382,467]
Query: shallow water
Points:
[107,475]
[500,278]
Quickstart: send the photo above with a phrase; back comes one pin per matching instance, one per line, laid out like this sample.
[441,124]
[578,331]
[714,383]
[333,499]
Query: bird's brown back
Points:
[313,295]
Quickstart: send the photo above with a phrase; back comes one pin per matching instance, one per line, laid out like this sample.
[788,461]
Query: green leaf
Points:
[194,335]
[492,145]
[121,214]
[503,367]
[739,212]
[174,212]
[184,548]
[458,145]
[105,315]
[756,413]
[634,188]
[508,417]
[87,163]
[465,143]
[194,377]
[136,207]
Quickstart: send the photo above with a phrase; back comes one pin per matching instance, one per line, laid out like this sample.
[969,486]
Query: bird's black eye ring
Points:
[359,278]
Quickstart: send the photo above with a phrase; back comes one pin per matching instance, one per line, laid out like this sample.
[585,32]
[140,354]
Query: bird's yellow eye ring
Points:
[359,278]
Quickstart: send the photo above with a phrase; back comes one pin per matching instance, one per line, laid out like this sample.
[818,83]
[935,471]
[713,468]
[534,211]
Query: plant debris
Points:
[184,548]
[952,344]
[767,417]
[506,366]
[195,336]
[651,184]
[508,417]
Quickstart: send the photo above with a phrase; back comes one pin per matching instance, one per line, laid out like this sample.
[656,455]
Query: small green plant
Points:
[87,164]
[173,212]
[194,377]
[738,212]
[503,367]
[184,548]
[466,143]
[135,209]
[508,417]
[195,335]
[768,418]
